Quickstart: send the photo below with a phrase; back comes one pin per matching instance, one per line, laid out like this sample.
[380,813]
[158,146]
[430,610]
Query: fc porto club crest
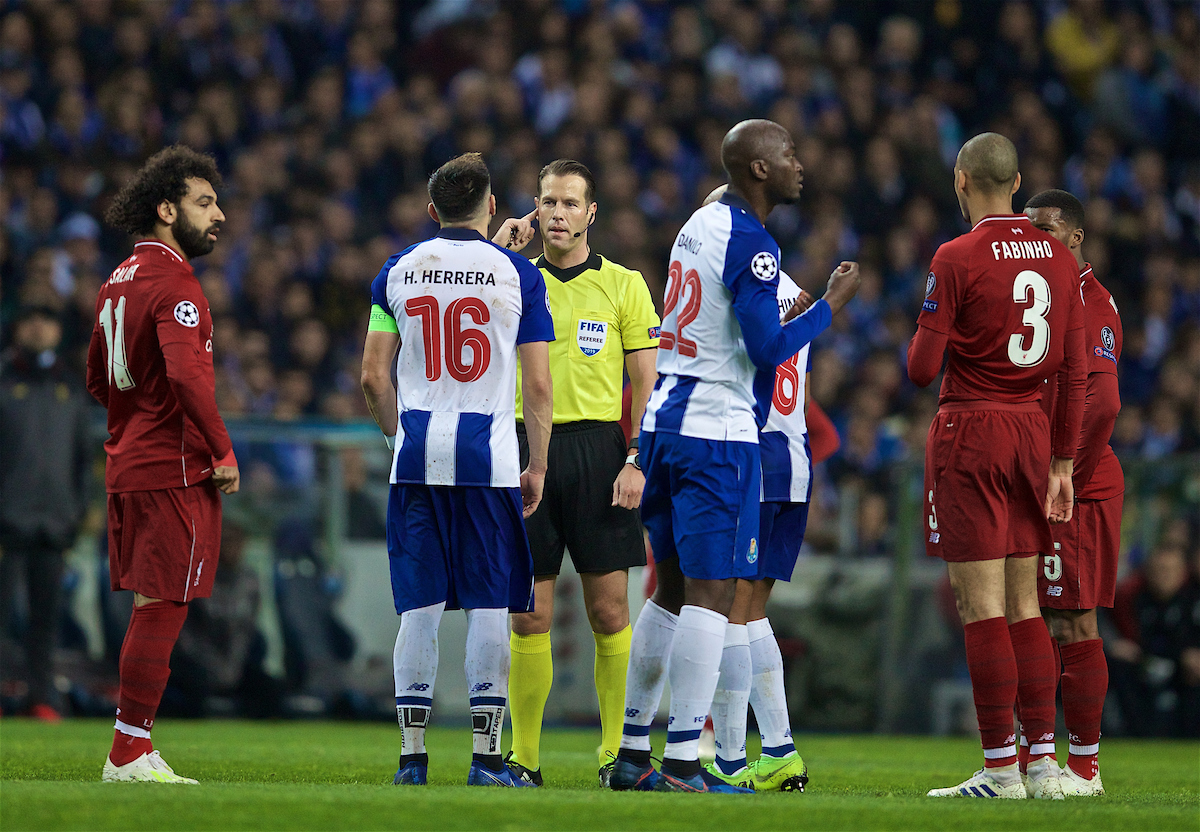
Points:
[590,336]
[752,555]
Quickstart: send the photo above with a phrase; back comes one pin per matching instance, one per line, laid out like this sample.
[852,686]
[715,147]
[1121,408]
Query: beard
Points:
[192,241]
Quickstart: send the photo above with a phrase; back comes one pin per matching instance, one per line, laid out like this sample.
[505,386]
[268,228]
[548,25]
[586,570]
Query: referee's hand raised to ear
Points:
[516,233]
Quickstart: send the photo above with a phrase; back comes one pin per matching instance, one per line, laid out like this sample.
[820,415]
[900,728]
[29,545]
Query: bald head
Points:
[990,161]
[749,141]
[760,158]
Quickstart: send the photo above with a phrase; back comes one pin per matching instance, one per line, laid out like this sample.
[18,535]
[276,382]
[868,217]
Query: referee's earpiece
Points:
[591,219]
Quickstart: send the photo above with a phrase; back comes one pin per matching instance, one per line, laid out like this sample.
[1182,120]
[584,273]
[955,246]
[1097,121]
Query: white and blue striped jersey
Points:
[461,306]
[721,337]
[783,441]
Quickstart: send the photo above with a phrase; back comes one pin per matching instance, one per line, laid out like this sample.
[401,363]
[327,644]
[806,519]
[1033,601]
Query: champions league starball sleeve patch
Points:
[764,266]
[187,313]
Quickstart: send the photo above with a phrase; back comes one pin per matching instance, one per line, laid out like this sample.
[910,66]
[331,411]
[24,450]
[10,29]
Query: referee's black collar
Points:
[459,233]
[563,275]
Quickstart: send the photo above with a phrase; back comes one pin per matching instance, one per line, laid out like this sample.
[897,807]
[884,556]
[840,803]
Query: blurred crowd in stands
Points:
[328,115]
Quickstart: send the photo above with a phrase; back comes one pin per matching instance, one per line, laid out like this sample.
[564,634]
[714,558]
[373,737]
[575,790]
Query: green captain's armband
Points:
[381,321]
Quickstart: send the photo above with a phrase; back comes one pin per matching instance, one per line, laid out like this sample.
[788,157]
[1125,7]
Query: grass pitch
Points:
[324,775]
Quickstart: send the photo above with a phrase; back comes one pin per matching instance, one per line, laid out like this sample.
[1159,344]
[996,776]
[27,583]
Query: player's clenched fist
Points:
[843,285]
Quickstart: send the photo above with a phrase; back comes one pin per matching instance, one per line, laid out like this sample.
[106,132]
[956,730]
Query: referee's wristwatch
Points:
[634,458]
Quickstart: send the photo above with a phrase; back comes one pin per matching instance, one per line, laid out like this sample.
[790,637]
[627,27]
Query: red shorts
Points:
[986,474]
[1082,572]
[164,544]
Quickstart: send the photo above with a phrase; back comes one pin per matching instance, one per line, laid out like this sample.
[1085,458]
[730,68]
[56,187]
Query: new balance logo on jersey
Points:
[935,537]
[1054,591]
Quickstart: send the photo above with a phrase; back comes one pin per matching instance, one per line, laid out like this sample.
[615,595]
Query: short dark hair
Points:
[1065,201]
[134,209]
[458,187]
[569,167]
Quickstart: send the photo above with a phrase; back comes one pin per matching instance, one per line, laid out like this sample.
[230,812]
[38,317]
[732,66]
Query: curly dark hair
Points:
[164,176]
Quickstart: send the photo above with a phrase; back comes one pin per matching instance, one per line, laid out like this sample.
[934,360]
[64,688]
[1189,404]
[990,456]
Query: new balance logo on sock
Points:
[632,712]
[422,686]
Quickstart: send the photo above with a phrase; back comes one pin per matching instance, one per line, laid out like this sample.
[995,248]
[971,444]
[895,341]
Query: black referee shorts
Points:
[576,511]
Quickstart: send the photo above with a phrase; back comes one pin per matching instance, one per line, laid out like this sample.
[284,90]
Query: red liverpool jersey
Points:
[163,425]
[1104,338]
[1005,294]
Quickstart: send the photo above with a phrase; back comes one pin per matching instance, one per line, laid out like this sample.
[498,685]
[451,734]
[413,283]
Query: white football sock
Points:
[649,650]
[766,691]
[414,669]
[693,670]
[488,661]
[731,698]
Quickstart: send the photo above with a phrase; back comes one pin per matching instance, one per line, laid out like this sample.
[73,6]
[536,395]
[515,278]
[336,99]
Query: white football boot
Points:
[148,768]
[1042,780]
[1075,786]
[983,784]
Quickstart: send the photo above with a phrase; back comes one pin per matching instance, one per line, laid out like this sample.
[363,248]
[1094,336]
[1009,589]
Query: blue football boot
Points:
[481,775]
[413,774]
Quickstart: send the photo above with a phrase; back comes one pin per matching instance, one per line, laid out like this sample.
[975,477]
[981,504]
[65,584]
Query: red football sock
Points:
[1084,685]
[1037,680]
[126,749]
[145,665]
[993,671]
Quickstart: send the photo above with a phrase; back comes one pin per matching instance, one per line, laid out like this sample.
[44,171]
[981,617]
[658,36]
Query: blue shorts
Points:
[781,527]
[701,504]
[465,545]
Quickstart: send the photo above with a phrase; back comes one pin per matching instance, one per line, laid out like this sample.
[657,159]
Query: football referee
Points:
[605,321]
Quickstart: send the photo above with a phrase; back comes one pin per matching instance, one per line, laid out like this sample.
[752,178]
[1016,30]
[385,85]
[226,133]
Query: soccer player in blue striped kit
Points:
[721,342]
[460,309]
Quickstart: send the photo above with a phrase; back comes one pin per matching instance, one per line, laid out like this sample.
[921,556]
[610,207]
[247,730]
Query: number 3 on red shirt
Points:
[677,282]
[1034,317]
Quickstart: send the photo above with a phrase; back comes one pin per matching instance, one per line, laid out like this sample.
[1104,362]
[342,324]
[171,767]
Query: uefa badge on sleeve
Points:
[930,285]
[764,266]
[187,313]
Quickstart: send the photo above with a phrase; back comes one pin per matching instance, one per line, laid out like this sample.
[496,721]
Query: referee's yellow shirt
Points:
[601,311]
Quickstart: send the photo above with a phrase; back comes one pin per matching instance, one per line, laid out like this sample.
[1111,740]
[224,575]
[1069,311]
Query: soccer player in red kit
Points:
[150,365]
[1081,573]
[1003,301]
